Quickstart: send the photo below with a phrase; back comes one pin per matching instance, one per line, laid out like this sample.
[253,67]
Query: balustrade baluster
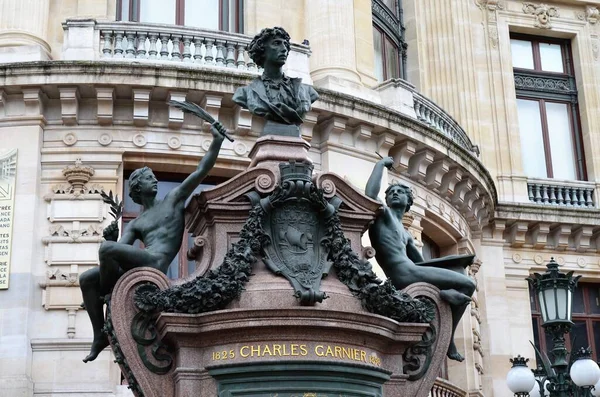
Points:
[220,44]
[208,57]
[198,49]
[230,60]
[130,50]
[107,49]
[545,194]
[164,49]
[579,195]
[251,65]
[141,45]
[560,199]
[589,201]
[530,192]
[187,53]
[152,51]
[568,196]
[552,194]
[118,52]
[176,51]
[538,196]
[241,60]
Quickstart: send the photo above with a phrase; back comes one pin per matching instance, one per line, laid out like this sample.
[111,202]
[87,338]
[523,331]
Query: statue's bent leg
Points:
[115,256]
[89,282]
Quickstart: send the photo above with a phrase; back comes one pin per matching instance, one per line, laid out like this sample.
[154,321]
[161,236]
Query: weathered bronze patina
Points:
[160,227]
[281,100]
[402,262]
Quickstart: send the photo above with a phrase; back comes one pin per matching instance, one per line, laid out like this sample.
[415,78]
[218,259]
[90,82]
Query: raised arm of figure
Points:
[374,182]
[412,252]
[183,191]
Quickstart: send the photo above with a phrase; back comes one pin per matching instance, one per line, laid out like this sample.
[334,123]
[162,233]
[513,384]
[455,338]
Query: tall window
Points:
[388,39]
[180,266]
[586,317]
[208,14]
[547,107]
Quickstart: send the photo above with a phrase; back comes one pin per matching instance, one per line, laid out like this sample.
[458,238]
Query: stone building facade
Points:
[439,85]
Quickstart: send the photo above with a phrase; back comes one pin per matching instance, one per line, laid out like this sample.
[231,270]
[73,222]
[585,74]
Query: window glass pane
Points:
[392,59]
[593,299]
[522,54]
[125,10]
[551,57]
[561,141]
[378,44]
[202,14]
[579,335]
[157,11]
[578,306]
[391,5]
[530,130]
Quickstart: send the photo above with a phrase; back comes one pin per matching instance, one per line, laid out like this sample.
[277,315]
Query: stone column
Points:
[23,30]
[330,28]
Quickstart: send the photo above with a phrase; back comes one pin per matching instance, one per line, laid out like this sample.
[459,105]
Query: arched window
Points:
[430,249]
[224,15]
[388,39]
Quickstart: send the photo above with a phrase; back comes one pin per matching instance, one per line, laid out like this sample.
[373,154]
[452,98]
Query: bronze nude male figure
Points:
[281,100]
[402,262]
[160,227]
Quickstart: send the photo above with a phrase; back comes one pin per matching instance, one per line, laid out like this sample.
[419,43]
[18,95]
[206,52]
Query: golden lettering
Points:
[329,352]
[277,350]
[265,350]
[363,356]
[346,352]
[294,349]
[303,350]
[242,351]
[253,350]
[338,351]
[355,354]
[319,350]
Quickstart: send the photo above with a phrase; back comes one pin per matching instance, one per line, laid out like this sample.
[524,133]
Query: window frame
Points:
[569,98]
[224,13]
[390,24]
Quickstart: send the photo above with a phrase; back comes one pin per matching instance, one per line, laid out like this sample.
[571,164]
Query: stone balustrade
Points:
[579,194]
[88,39]
[434,116]
[443,388]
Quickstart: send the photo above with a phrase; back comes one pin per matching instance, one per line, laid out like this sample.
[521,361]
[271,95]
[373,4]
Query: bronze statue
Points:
[273,95]
[160,227]
[402,262]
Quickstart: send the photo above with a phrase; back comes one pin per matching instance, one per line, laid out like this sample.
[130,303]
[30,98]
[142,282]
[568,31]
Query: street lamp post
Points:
[555,293]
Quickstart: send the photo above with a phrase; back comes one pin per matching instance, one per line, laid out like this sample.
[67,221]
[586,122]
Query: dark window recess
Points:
[180,266]
[226,15]
[388,39]
[549,122]
[586,318]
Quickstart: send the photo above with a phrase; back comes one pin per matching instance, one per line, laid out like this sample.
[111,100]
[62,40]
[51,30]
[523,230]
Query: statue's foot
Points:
[455,298]
[453,353]
[97,346]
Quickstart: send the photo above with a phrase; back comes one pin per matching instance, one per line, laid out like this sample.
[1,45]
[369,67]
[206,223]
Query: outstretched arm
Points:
[374,182]
[183,191]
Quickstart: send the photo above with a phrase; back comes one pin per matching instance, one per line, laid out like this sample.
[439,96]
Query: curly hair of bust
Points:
[134,184]
[407,191]
[256,49]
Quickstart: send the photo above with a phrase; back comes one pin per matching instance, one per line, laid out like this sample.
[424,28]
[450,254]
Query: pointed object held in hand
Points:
[192,108]
[116,206]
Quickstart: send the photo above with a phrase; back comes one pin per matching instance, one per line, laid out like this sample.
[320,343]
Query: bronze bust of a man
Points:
[275,96]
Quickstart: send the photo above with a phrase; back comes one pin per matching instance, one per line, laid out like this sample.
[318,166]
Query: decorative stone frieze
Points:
[542,13]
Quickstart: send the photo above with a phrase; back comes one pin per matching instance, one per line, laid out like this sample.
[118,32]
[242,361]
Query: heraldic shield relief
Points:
[295,216]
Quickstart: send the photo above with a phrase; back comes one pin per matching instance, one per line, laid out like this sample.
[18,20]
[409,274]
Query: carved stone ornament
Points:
[592,14]
[78,176]
[294,222]
[542,13]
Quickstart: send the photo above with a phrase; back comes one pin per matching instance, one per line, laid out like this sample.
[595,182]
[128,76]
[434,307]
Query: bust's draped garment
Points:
[285,102]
